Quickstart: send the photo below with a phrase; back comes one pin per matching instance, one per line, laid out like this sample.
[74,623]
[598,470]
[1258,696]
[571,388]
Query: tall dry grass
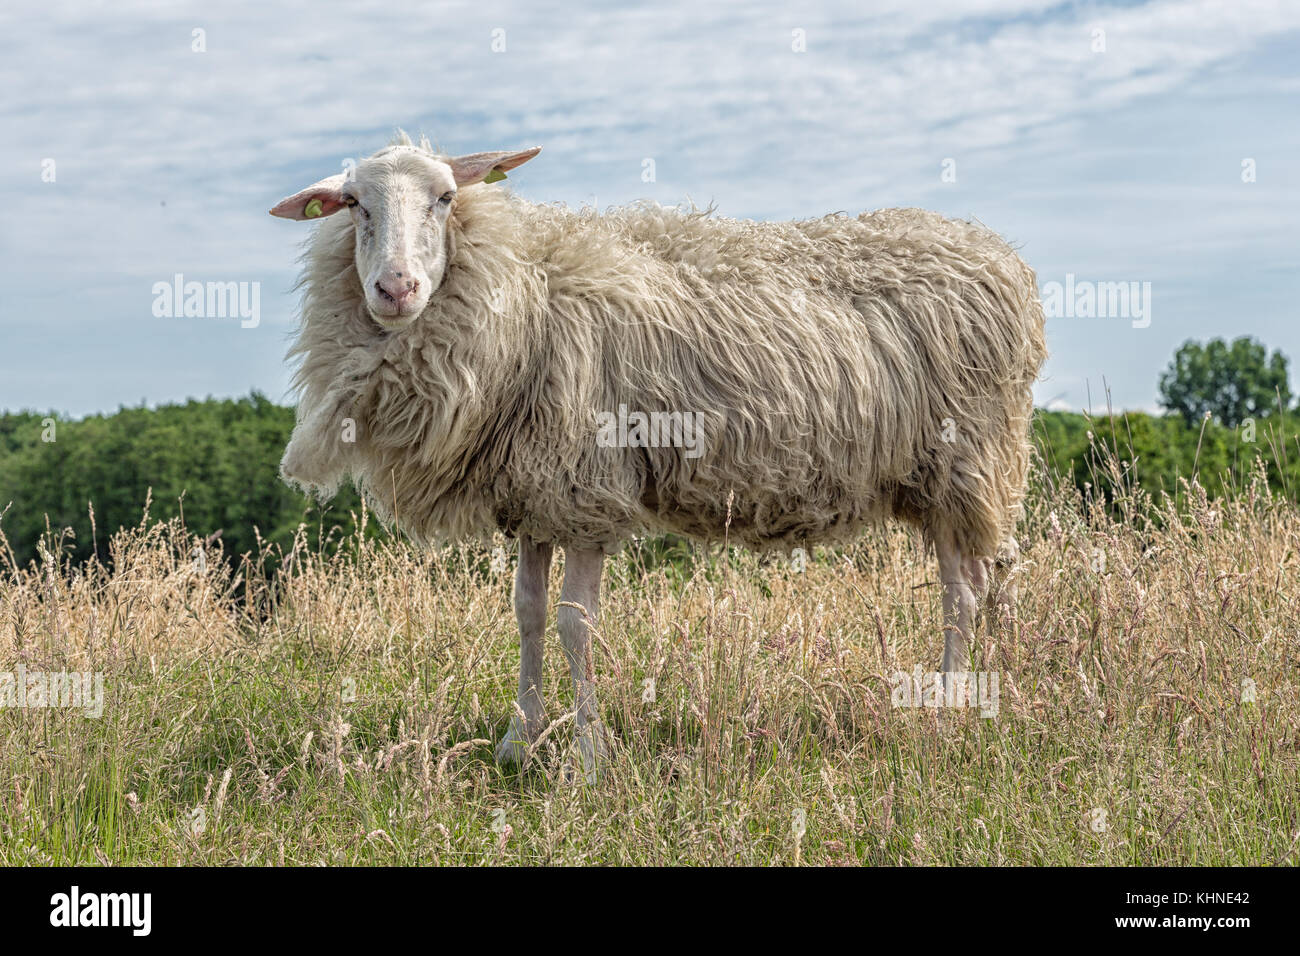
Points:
[343,709]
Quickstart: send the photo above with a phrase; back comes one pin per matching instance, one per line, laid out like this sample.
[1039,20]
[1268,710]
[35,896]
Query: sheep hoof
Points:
[510,752]
[594,746]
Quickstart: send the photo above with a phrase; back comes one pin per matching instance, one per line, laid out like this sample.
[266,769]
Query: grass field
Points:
[1147,708]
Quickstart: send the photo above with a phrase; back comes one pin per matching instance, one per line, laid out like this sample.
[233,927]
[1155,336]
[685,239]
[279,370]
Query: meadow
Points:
[339,705]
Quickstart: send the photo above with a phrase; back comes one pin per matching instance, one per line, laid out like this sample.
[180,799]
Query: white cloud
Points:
[1050,140]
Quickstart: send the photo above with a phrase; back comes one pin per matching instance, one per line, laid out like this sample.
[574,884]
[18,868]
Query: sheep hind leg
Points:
[578,615]
[530,611]
[965,580]
[1003,583]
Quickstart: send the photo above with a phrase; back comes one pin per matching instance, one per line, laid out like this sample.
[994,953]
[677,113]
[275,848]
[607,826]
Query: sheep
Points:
[462,353]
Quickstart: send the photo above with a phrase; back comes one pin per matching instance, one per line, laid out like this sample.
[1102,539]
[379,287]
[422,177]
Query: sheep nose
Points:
[398,286]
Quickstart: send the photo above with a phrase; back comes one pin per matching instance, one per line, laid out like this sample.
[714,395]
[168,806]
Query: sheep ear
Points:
[488,167]
[316,201]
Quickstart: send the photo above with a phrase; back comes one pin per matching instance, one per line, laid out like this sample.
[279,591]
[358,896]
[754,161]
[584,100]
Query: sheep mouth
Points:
[398,319]
[393,323]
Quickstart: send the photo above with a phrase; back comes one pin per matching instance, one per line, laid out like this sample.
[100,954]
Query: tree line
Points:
[216,462]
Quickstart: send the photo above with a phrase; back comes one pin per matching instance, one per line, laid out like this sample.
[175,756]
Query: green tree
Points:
[214,461]
[1230,382]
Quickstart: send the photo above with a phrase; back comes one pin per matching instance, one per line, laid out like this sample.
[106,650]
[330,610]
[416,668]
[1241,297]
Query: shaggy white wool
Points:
[843,369]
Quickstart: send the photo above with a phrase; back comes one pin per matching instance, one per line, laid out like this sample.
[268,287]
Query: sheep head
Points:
[400,200]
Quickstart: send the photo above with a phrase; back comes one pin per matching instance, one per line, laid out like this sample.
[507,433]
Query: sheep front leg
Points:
[530,612]
[578,614]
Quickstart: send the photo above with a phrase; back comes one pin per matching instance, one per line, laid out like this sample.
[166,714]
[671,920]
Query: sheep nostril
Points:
[397,290]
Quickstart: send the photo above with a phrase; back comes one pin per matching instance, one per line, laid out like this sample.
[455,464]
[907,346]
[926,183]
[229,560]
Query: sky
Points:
[1152,143]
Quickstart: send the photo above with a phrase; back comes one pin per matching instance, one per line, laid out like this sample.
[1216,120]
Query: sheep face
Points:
[400,203]
[400,200]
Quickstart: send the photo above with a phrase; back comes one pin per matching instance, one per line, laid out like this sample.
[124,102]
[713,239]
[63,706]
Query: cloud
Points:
[1121,164]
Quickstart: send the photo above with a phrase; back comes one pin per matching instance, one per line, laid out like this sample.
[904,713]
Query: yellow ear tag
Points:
[312,209]
[495,176]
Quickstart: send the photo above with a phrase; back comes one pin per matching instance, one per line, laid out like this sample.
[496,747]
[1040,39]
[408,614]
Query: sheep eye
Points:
[349,201]
[447,197]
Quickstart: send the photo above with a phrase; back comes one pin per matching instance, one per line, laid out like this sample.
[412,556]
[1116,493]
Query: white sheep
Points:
[486,355]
